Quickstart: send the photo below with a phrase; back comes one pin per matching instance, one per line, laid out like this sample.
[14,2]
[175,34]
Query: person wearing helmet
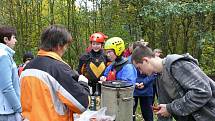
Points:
[120,68]
[93,63]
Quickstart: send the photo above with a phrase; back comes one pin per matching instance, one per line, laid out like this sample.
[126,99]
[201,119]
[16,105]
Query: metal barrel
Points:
[117,96]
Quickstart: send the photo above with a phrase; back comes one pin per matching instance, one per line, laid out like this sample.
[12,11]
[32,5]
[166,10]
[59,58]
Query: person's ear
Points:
[61,46]
[6,39]
[57,48]
[145,59]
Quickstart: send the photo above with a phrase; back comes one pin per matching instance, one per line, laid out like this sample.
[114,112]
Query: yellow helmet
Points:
[115,43]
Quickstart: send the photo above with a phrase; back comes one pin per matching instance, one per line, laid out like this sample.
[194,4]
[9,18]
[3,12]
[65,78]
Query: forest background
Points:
[175,26]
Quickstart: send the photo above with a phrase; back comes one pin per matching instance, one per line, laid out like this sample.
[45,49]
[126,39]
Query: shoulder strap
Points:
[85,57]
[101,58]
[119,66]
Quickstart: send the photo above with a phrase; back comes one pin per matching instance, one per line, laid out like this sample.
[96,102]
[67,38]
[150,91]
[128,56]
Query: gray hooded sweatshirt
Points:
[188,92]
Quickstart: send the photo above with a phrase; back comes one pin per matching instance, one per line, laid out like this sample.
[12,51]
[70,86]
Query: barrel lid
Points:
[117,84]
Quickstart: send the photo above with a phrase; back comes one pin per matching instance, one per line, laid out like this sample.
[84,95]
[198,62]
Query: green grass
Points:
[139,115]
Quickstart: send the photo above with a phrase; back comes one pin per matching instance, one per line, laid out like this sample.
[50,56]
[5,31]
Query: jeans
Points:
[155,93]
[145,105]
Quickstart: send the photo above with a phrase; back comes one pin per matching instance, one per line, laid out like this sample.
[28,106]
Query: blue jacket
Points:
[147,81]
[9,82]
[148,84]
[127,73]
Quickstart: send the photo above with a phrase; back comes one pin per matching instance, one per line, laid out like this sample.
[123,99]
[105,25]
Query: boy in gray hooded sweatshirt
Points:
[184,90]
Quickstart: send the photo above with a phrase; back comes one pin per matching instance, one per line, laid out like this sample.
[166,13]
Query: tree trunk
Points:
[51,7]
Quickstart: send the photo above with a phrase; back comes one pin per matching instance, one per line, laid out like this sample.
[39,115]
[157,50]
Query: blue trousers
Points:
[155,93]
[145,105]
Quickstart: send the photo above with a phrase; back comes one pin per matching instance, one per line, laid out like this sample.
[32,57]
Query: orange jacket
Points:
[49,91]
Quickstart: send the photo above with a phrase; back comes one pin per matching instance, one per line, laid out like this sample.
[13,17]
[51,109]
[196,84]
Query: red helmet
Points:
[98,37]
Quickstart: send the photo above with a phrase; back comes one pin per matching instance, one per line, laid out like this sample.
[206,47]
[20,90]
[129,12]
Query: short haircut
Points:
[28,56]
[157,50]
[6,31]
[138,44]
[140,52]
[53,36]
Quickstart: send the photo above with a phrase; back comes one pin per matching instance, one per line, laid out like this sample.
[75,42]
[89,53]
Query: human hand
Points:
[141,85]
[136,85]
[82,78]
[102,79]
[163,110]
[155,108]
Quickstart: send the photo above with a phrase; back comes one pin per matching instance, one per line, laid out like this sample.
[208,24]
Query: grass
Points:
[139,115]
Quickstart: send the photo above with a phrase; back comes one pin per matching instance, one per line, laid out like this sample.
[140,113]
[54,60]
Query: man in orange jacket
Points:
[49,89]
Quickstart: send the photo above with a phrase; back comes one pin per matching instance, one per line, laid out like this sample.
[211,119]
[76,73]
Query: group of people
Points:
[51,91]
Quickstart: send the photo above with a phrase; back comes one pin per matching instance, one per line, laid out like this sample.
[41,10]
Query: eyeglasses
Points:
[109,51]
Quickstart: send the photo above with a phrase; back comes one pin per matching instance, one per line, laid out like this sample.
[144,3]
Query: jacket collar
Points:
[50,54]
[10,51]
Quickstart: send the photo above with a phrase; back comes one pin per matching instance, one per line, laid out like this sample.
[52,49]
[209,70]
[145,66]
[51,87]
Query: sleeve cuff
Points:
[169,109]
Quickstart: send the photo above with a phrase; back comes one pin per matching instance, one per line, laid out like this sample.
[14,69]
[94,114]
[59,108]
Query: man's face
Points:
[145,67]
[10,43]
[96,46]
[111,55]
[158,54]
